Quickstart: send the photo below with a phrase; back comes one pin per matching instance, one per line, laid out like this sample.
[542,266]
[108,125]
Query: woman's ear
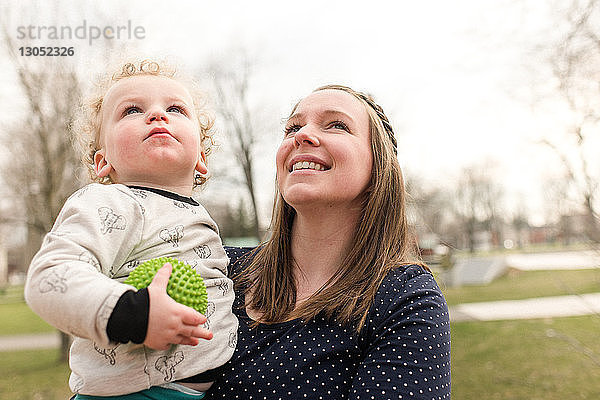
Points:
[201,164]
[101,165]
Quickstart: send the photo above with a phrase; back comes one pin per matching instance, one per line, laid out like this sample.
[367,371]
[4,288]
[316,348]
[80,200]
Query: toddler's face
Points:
[150,133]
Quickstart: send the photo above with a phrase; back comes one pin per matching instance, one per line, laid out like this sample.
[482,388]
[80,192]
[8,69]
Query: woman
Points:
[331,306]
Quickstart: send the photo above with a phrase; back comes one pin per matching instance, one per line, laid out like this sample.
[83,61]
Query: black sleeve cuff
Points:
[129,319]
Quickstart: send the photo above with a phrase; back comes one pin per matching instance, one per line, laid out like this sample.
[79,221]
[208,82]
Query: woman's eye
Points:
[339,125]
[292,129]
[176,109]
[132,110]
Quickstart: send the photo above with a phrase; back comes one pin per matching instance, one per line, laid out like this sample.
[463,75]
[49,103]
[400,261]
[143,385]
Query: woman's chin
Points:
[303,199]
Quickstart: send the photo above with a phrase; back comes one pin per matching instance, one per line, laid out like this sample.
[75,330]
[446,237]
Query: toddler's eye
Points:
[176,109]
[132,110]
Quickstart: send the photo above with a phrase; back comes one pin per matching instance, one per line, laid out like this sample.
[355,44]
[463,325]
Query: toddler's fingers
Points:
[192,317]
[188,341]
[196,332]
[201,333]
[161,279]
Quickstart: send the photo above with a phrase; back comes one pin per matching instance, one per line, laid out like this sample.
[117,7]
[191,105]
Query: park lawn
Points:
[17,318]
[547,359]
[11,294]
[517,285]
[536,359]
[33,374]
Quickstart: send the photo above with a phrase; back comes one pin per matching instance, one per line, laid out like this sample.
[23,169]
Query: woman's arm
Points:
[407,354]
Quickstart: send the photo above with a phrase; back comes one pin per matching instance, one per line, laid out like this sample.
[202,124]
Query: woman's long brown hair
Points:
[381,242]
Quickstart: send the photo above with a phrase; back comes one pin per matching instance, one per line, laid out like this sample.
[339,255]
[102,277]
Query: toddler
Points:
[146,141]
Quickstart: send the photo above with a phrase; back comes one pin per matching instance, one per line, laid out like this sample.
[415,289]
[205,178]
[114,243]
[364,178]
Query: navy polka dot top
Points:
[402,353]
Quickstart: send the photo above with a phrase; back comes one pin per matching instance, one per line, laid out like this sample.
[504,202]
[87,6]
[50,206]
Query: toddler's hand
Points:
[168,321]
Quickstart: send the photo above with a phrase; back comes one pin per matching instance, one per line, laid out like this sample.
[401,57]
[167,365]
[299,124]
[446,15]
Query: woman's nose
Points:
[306,135]
[156,114]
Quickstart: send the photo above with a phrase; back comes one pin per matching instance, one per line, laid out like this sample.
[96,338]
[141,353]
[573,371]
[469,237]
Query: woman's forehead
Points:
[331,100]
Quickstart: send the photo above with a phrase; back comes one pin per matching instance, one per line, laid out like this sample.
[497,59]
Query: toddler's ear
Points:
[201,164]
[101,165]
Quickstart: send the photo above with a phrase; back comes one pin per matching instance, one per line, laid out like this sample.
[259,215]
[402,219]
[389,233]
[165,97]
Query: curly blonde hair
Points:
[88,123]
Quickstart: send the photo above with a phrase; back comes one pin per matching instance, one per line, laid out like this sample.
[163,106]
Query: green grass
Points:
[537,359]
[541,359]
[33,375]
[11,294]
[18,318]
[518,285]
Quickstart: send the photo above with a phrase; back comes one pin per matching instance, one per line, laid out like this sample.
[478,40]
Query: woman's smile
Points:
[308,161]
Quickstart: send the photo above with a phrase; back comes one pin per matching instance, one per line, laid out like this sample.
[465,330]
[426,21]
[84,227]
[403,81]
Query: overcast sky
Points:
[457,78]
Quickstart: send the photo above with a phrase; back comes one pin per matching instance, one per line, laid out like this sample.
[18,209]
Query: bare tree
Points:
[243,120]
[477,204]
[575,65]
[519,222]
[466,207]
[41,168]
[428,206]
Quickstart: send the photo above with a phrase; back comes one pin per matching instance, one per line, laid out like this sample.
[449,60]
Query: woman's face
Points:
[325,157]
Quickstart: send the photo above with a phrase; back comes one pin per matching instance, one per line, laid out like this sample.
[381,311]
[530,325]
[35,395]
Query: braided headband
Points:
[376,107]
[384,120]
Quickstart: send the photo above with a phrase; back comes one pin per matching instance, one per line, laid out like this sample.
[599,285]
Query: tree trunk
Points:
[65,344]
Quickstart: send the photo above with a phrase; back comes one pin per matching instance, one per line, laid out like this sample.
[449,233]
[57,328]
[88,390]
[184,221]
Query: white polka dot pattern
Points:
[402,353]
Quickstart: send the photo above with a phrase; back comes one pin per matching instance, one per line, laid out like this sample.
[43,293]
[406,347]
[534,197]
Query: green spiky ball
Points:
[185,285]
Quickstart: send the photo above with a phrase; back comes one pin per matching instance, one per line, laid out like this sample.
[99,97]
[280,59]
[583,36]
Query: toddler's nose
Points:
[157,115]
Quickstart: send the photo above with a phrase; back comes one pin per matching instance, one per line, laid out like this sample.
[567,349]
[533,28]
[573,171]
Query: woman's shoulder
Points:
[239,256]
[408,280]
[406,275]
[235,253]
[405,290]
